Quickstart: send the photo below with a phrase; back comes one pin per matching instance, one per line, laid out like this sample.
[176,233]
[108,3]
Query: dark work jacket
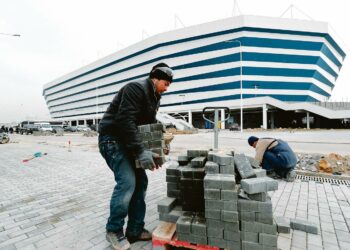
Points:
[135,104]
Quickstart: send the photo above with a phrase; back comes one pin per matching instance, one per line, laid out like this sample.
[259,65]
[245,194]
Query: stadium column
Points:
[264,111]
[307,120]
[272,120]
[223,119]
[190,117]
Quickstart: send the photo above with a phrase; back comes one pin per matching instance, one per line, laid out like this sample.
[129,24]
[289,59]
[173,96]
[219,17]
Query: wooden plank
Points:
[164,231]
[174,242]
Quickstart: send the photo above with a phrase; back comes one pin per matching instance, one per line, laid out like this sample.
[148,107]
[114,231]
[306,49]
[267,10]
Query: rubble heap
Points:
[205,191]
[331,163]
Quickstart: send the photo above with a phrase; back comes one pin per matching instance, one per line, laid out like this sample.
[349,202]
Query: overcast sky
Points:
[59,36]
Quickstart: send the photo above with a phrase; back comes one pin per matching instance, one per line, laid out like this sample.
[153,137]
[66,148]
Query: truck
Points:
[27,127]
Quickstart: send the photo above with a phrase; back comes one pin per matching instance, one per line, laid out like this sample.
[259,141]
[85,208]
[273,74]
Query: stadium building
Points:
[280,71]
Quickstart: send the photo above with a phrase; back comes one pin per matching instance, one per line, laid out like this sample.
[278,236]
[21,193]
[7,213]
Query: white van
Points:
[43,126]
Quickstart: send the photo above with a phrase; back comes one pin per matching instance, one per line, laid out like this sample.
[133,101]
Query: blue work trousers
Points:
[128,198]
[280,158]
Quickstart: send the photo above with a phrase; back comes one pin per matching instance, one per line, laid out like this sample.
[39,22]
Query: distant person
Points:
[275,156]
[121,145]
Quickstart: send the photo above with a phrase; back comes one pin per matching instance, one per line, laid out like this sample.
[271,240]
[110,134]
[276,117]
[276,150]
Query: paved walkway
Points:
[61,201]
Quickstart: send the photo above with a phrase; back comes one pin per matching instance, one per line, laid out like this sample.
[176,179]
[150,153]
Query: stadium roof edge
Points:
[205,28]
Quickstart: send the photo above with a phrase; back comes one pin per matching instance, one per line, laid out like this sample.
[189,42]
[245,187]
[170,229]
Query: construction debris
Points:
[331,163]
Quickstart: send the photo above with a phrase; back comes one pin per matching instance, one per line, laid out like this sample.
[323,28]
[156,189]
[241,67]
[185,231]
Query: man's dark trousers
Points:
[280,158]
[129,193]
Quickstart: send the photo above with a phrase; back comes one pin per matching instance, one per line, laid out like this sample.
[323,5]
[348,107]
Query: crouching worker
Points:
[121,146]
[275,156]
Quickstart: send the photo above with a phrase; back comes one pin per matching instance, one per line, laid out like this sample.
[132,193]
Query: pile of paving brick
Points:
[153,139]
[219,200]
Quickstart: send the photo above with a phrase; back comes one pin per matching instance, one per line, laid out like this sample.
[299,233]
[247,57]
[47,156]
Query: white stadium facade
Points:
[280,71]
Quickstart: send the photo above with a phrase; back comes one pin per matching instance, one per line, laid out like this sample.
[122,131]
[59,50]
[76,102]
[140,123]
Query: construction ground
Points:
[61,199]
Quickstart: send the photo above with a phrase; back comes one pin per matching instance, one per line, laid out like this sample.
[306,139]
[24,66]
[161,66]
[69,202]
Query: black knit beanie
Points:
[161,71]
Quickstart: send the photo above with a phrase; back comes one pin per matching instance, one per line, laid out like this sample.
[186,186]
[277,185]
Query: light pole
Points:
[182,103]
[97,85]
[240,77]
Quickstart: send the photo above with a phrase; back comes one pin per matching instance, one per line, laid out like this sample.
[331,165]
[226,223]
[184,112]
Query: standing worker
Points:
[121,145]
[275,156]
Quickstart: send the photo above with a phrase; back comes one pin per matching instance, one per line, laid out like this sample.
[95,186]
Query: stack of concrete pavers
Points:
[222,218]
[191,180]
[185,185]
[173,175]
[258,230]
[191,227]
[221,196]
[228,221]
[153,139]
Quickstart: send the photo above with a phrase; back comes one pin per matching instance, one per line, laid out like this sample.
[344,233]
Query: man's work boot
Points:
[145,235]
[290,176]
[118,240]
[272,174]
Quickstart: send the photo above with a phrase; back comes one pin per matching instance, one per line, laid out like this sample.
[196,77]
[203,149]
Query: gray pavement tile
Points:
[330,238]
[326,218]
[13,240]
[341,226]
[314,239]
[330,246]
[8,247]
[338,217]
[284,241]
[314,247]
[343,236]
[344,245]
[29,241]
[327,227]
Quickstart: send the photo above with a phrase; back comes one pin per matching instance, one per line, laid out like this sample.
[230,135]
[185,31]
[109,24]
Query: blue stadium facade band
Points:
[284,62]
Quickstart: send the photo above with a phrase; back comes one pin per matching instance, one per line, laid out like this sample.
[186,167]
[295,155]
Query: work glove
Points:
[145,160]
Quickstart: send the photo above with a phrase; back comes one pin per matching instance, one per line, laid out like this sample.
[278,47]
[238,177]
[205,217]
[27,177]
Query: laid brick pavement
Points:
[61,201]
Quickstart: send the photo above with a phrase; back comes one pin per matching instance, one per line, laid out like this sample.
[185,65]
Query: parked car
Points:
[70,128]
[234,127]
[57,129]
[82,128]
[93,127]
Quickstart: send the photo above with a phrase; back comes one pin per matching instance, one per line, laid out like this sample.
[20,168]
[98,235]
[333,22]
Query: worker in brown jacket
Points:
[275,156]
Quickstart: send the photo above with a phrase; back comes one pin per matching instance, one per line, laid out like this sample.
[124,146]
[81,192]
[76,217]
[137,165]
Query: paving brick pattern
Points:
[323,204]
[61,201]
